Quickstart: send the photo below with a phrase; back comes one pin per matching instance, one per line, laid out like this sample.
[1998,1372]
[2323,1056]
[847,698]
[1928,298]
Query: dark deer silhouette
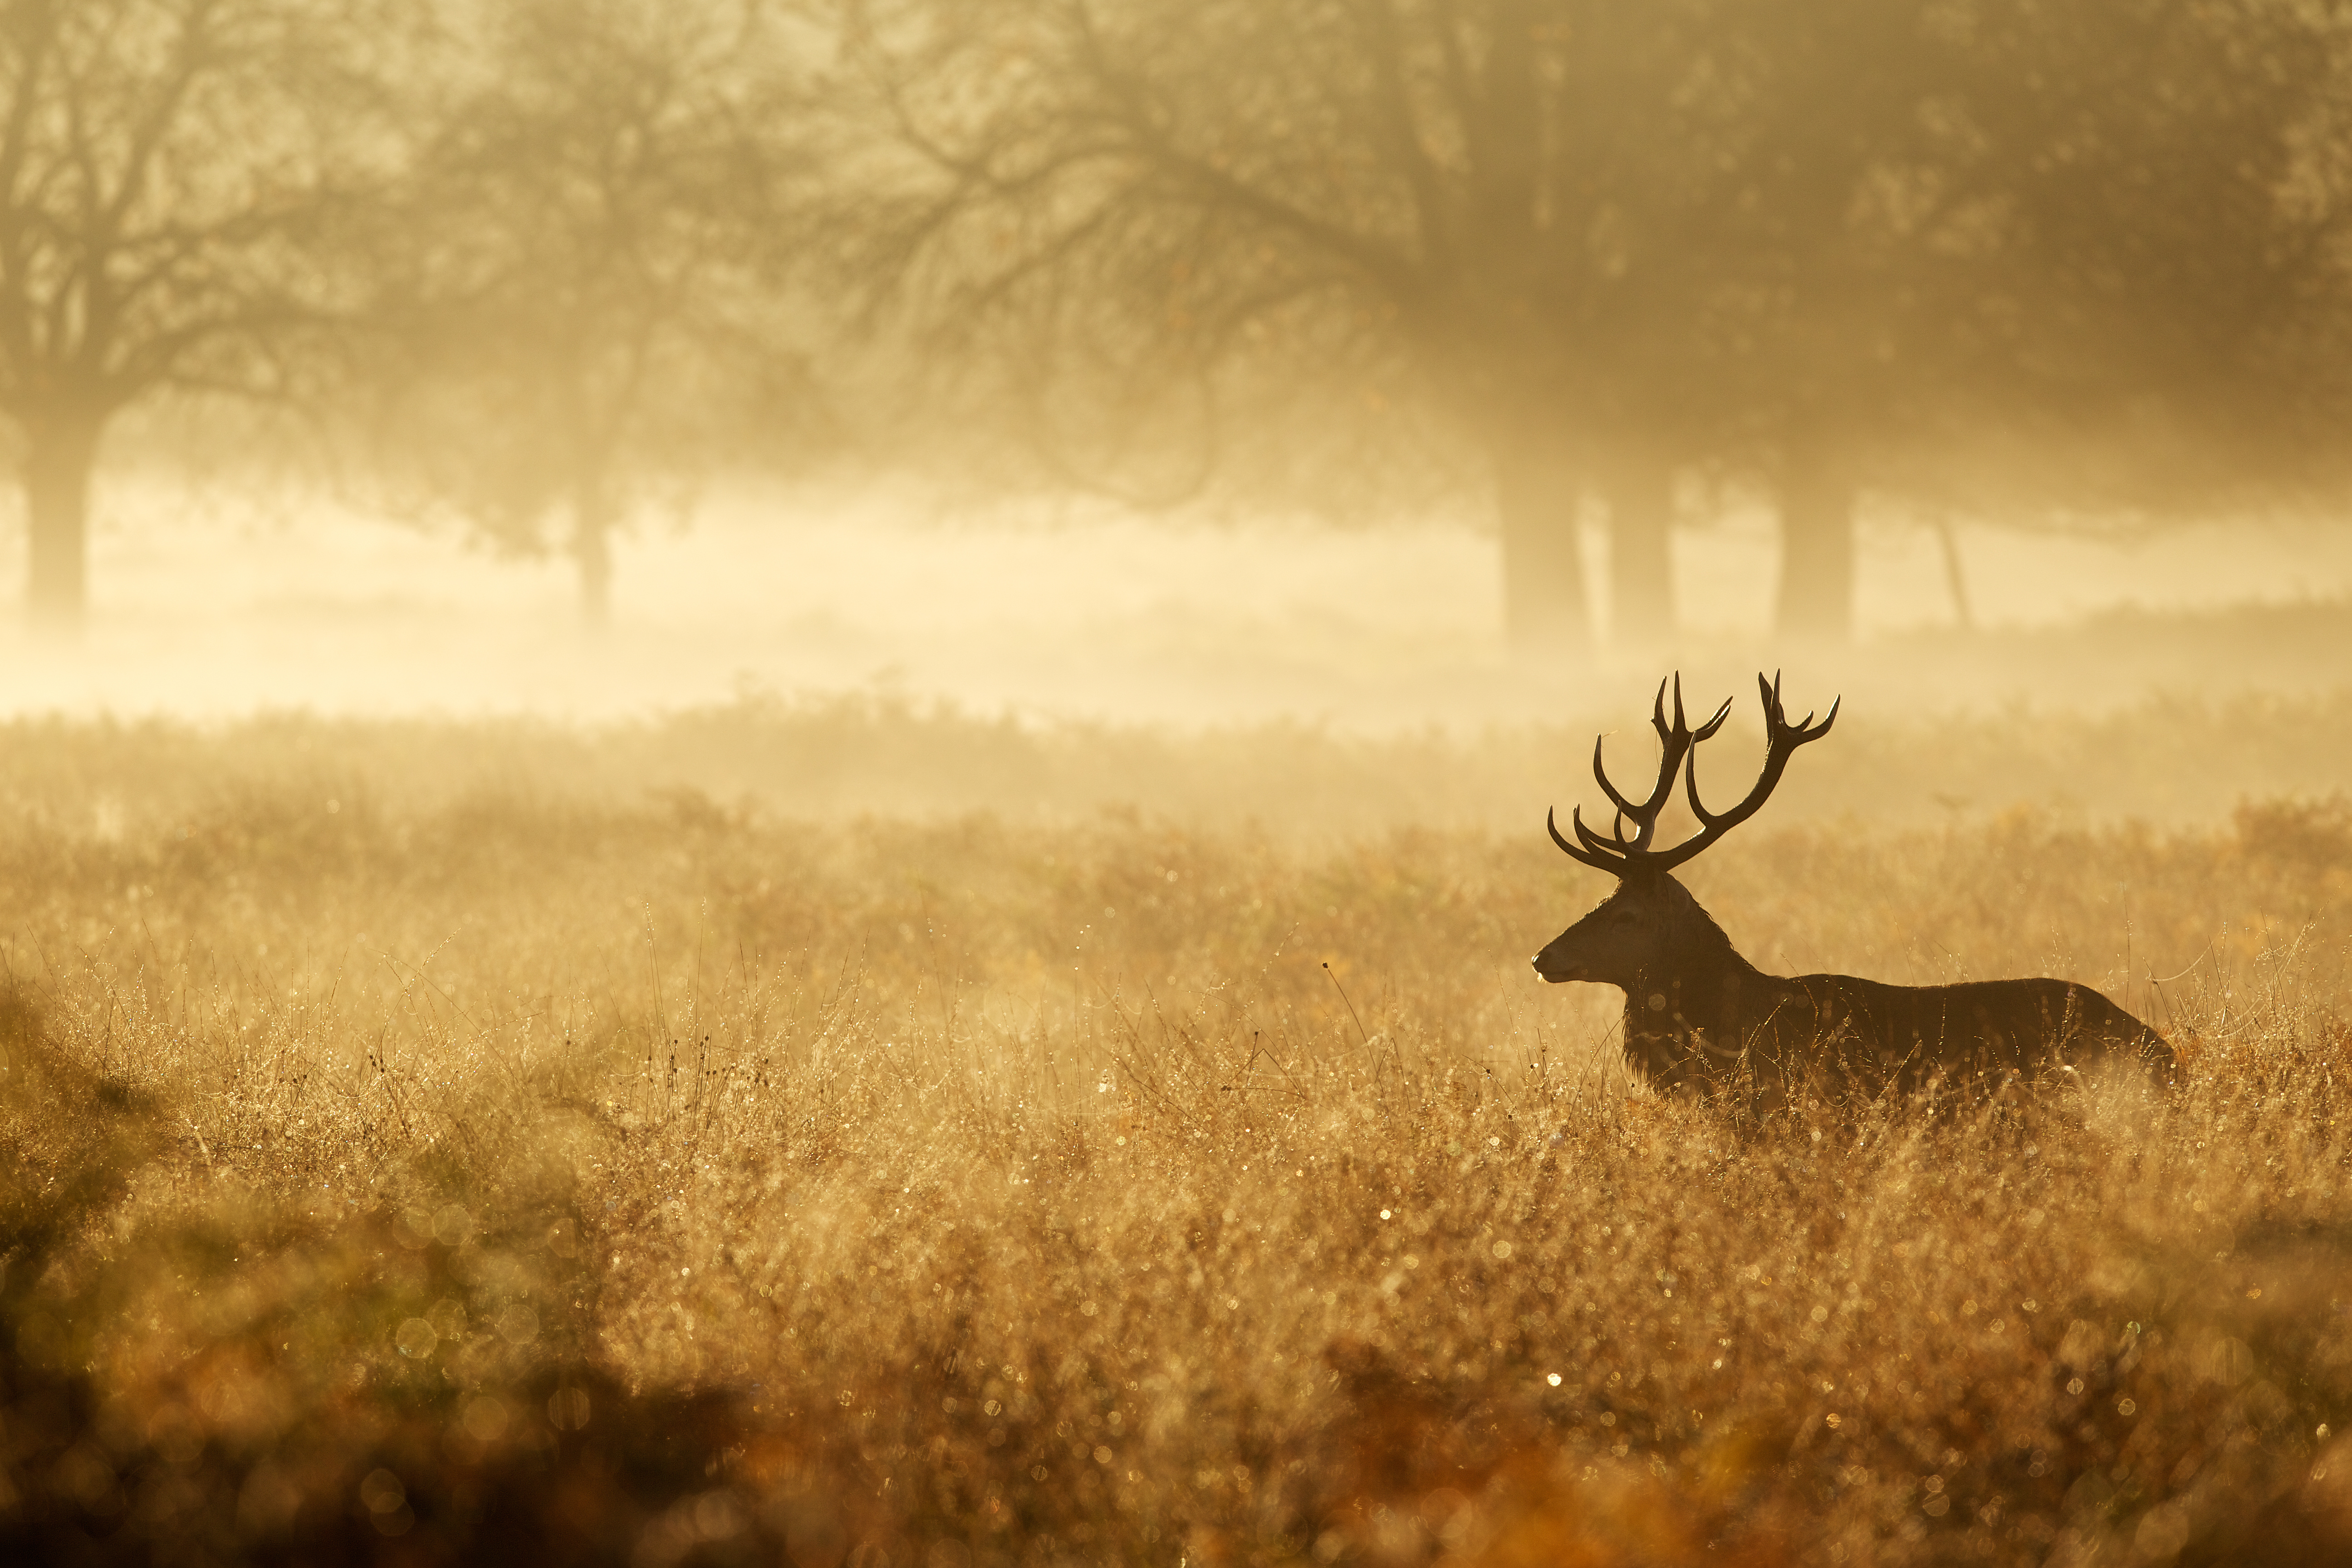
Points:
[1697,1014]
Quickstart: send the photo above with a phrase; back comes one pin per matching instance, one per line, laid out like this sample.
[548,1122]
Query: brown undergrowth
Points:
[665,1183]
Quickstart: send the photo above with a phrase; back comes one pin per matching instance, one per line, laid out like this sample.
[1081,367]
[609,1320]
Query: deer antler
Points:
[1618,854]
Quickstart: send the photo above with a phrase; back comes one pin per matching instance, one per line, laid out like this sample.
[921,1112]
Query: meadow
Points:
[830,1135]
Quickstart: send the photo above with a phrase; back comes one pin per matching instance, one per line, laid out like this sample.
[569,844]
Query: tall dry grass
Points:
[426,1174]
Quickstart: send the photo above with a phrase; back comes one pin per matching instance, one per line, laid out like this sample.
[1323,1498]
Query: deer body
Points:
[1698,1014]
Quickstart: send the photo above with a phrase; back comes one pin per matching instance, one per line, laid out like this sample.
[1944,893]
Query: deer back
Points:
[1777,1041]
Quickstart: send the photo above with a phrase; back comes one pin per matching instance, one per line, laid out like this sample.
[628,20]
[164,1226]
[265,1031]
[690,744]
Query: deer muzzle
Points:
[1556,966]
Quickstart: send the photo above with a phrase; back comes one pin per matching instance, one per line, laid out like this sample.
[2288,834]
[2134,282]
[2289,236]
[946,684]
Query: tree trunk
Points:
[1640,492]
[592,550]
[1817,499]
[1544,613]
[1954,578]
[58,462]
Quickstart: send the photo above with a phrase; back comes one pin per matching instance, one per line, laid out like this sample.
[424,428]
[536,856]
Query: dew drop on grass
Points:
[382,1492]
[519,1325]
[484,1418]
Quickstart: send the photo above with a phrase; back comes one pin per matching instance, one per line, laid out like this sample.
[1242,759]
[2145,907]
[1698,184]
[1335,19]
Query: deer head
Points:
[1637,932]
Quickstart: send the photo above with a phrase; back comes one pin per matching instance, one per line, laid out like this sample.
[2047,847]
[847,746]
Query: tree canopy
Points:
[1994,254]
[173,178]
[2053,265]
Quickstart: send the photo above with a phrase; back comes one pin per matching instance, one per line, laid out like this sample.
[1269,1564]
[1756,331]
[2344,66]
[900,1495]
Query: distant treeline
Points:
[2276,766]
[537,263]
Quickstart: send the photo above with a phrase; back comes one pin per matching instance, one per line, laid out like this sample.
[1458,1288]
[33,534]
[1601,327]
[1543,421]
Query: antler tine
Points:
[1601,774]
[1673,741]
[1613,854]
[1615,845]
[1776,717]
[1598,861]
[1804,726]
[1706,732]
[1682,730]
[1677,743]
[1781,740]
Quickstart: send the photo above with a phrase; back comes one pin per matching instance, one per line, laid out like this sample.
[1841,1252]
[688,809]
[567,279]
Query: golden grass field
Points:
[452,1143]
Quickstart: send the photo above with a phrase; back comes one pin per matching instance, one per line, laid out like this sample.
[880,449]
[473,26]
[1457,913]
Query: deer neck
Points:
[1692,975]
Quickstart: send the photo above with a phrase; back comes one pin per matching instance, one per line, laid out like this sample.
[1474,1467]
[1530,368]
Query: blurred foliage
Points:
[595,1178]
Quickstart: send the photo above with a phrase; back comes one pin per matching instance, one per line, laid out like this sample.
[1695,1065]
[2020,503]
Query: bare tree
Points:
[1472,204]
[170,174]
[2050,260]
[1837,245]
[587,314]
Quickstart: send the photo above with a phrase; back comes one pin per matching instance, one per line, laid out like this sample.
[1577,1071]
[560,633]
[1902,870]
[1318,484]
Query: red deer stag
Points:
[1696,1013]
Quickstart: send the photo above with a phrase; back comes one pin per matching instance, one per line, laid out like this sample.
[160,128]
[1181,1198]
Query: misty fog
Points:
[774,781]
[215,606]
[1389,369]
